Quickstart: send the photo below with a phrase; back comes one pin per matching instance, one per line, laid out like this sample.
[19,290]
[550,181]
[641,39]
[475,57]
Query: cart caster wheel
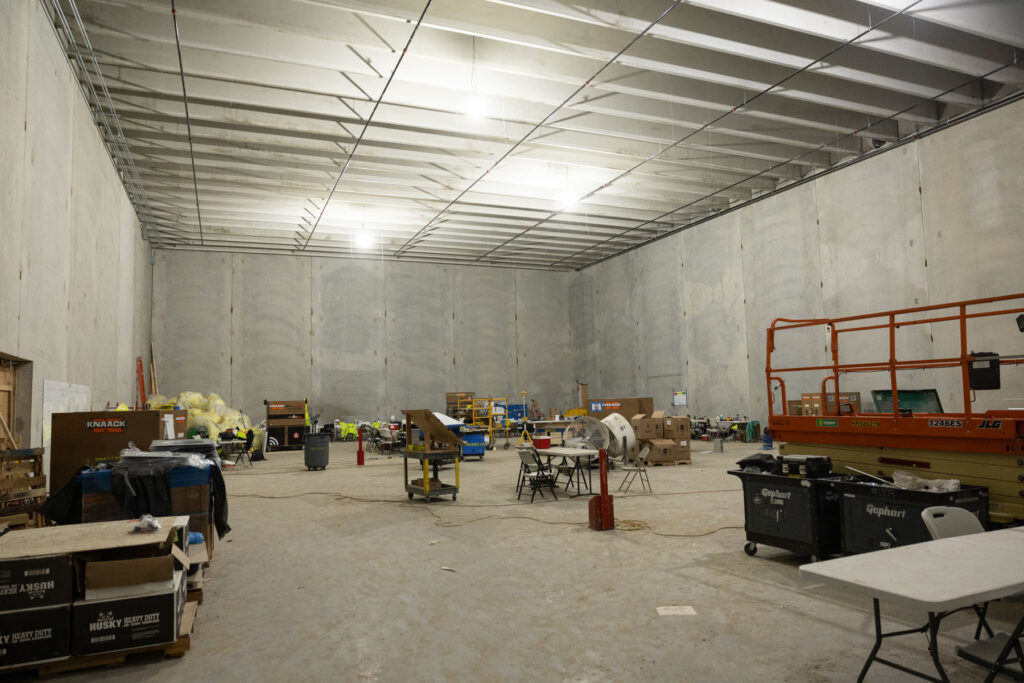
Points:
[453,497]
[505,446]
[410,496]
[489,448]
[750,549]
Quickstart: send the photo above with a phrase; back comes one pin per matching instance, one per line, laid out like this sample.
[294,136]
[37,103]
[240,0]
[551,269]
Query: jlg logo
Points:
[990,424]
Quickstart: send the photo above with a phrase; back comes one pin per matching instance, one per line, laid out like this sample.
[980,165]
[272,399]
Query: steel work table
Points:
[939,577]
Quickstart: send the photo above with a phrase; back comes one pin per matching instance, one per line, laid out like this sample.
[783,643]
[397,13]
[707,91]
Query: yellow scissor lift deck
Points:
[981,449]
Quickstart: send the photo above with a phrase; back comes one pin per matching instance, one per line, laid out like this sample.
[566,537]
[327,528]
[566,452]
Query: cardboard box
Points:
[812,404]
[126,623]
[110,579]
[33,582]
[795,407]
[187,500]
[452,399]
[627,407]
[101,507]
[682,447]
[668,451]
[650,426]
[34,635]
[677,427]
[201,524]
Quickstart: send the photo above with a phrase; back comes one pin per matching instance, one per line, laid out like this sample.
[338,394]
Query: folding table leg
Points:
[982,622]
[934,620]
[878,643]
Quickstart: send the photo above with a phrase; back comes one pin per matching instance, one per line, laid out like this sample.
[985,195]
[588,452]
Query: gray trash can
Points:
[317,450]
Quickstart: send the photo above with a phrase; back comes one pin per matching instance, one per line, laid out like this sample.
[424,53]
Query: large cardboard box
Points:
[650,426]
[111,579]
[677,427]
[34,635]
[627,407]
[188,500]
[30,582]
[127,623]
[80,439]
[452,399]
[682,449]
[812,403]
[665,451]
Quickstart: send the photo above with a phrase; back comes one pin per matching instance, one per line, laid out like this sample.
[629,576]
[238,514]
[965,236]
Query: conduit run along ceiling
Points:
[716,103]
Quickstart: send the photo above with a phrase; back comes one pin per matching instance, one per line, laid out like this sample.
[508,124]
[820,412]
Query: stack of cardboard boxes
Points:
[190,495]
[667,437]
[86,589]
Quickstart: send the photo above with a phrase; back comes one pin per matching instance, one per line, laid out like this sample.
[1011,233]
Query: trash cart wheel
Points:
[750,549]
[505,446]
[453,496]
[410,495]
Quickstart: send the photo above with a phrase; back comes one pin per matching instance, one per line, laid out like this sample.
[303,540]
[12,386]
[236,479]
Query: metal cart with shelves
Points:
[430,442]
[430,485]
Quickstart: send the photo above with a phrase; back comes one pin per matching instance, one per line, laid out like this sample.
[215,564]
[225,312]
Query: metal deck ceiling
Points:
[494,143]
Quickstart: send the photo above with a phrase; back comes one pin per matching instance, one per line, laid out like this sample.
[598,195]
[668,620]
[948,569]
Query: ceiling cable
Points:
[421,232]
[188,119]
[366,124]
[707,126]
[911,137]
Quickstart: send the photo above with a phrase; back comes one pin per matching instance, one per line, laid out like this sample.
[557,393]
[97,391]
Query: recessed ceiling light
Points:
[568,201]
[476,107]
[363,240]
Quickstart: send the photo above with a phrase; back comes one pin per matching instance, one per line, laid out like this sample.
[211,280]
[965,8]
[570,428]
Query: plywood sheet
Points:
[76,538]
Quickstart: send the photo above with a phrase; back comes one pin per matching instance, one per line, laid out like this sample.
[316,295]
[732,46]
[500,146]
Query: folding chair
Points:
[535,473]
[246,451]
[947,522]
[637,470]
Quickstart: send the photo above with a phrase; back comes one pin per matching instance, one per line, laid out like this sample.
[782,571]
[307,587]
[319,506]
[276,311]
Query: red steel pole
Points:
[359,452]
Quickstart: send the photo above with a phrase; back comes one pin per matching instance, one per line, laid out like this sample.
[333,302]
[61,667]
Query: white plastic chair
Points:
[947,522]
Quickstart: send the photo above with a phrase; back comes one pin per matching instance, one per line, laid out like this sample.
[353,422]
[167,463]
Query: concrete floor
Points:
[335,575]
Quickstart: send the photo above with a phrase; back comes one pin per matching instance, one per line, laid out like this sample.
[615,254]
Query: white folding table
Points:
[939,577]
[581,472]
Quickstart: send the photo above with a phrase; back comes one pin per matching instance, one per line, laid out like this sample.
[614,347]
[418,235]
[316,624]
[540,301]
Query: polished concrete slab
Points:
[337,576]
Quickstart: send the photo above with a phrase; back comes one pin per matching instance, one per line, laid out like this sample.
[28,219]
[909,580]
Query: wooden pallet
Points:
[110,659]
[22,482]
[669,462]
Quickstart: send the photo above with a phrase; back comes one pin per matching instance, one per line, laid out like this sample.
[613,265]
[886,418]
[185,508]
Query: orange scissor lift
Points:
[985,449]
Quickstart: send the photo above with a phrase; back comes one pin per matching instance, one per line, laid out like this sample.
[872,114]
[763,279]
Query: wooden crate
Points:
[22,482]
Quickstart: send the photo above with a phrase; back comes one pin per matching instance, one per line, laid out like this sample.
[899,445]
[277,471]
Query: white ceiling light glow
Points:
[568,201]
[364,239]
[476,107]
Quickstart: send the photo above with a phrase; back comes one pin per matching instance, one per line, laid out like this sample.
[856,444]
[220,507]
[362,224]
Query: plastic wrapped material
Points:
[211,413]
[134,460]
[192,400]
[147,524]
[912,482]
[158,401]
